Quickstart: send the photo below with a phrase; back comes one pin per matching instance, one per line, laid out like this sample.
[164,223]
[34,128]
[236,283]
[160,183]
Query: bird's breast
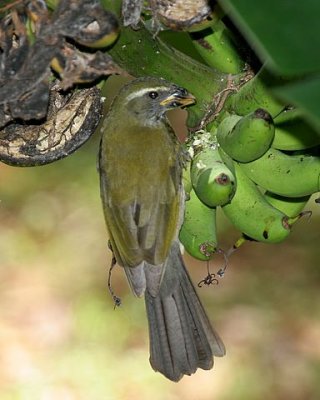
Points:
[138,160]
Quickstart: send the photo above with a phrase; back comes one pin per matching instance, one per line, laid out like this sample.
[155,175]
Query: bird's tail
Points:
[181,337]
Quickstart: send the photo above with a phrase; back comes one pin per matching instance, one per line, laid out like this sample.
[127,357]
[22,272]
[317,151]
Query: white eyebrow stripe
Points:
[141,92]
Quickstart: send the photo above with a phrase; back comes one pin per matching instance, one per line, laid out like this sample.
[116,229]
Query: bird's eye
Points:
[153,95]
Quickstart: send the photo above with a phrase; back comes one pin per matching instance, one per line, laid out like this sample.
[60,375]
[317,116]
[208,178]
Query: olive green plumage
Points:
[143,200]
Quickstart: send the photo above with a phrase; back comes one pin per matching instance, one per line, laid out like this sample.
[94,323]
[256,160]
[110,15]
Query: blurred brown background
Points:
[60,337]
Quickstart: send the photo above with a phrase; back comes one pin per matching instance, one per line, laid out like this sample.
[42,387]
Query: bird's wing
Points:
[143,226]
[142,201]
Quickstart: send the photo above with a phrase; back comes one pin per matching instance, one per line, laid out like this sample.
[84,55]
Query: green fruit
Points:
[249,138]
[286,175]
[212,180]
[295,134]
[186,178]
[216,47]
[250,212]
[198,231]
[291,206]
[226,125]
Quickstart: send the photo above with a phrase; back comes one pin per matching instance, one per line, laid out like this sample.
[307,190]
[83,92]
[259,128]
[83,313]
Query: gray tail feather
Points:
[181,337]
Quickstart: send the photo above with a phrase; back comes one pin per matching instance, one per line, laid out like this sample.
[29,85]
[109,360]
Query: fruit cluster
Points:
[259,161]
[252,155]
[257,170]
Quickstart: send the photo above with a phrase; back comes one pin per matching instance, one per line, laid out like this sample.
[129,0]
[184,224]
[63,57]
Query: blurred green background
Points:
[60,337]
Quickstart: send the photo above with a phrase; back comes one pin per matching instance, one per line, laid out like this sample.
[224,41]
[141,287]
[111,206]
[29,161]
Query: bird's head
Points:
[147,99]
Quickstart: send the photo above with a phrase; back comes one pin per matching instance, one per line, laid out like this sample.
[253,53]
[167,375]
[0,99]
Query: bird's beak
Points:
[179,98]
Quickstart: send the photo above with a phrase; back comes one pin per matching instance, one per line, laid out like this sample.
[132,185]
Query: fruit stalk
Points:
[254,94]
[139,53]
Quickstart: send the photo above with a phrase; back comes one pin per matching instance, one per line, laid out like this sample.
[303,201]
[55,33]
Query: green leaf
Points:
[285,33]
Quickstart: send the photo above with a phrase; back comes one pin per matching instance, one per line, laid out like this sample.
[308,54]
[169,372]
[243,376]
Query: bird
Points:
[140,165]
